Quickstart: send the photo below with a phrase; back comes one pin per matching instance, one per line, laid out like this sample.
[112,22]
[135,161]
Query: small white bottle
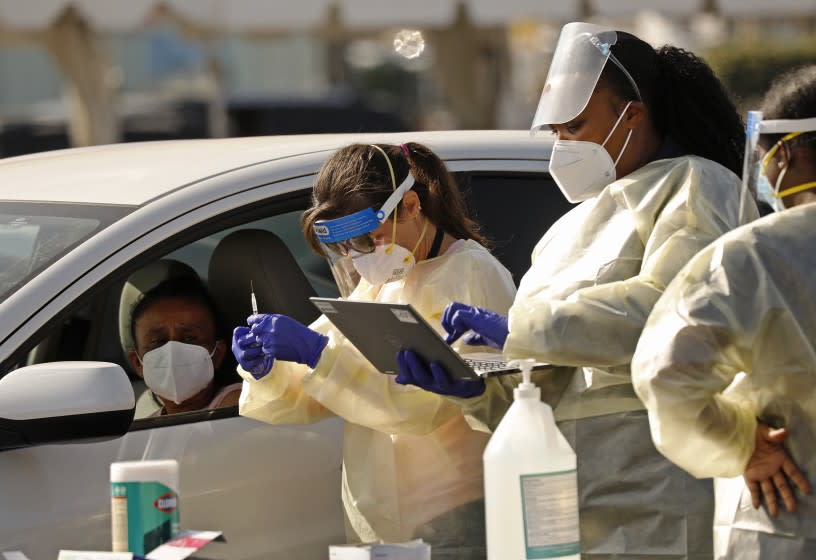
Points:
[531,490]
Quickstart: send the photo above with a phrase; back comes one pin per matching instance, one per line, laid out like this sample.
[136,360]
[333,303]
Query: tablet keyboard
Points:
[487,366]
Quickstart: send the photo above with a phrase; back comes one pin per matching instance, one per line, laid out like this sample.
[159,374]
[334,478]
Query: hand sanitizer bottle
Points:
[531,490]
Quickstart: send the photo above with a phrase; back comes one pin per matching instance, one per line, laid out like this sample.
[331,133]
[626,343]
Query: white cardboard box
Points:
[181,546]
[413,550]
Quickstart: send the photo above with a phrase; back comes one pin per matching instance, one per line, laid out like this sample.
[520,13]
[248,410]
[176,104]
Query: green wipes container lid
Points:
[163,471]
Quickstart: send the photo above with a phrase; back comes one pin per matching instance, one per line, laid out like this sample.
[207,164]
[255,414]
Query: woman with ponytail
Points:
[393,224]
[726,365]
[650,145]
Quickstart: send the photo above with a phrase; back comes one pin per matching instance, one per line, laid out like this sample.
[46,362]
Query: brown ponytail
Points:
[442,201]
[357,176]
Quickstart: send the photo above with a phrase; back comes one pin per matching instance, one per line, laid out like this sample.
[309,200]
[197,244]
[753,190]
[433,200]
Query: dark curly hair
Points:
[687,102]
[792,95]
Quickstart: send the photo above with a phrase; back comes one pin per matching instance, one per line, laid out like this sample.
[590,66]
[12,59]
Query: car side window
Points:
[287,227]
[514,211]
[270,251]
[269,256]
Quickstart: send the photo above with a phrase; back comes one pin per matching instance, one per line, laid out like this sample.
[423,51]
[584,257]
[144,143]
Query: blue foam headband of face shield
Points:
[363,221]
[340,229]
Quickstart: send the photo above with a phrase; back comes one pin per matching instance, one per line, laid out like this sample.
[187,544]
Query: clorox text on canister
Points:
[144,504]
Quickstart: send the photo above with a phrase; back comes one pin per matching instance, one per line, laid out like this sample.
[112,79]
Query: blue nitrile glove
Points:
[489,328]
[249,353]
[435,379]
[283,338]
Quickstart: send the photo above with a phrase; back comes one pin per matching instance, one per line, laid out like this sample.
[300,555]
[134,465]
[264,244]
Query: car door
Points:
[273,490]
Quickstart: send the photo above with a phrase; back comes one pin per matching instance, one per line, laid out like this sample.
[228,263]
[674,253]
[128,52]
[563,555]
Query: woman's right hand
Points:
[250,355]
[435,378]
[769,469]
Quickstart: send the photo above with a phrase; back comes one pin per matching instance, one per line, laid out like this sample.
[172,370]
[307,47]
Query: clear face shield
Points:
[579,58]
[758,159]
[344,240]
[581,169]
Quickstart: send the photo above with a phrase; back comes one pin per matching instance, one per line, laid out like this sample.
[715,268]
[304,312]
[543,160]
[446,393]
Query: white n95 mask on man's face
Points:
[176,371]
[583,169]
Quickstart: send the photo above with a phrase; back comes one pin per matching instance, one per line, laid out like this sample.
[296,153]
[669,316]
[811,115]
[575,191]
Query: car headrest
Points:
[261,257]
[144,280]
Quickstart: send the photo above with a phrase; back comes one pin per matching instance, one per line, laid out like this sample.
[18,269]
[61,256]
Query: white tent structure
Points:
[263,16]
[71,29]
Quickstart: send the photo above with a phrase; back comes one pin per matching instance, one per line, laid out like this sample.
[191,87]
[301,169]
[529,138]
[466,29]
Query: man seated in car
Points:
[179,349]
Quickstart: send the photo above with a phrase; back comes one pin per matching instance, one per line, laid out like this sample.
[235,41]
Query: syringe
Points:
[254,301]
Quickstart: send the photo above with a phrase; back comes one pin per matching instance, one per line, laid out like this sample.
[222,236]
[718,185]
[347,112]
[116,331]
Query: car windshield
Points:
[33,236]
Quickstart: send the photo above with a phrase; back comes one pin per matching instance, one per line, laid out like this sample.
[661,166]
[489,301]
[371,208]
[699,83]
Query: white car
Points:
[77,225]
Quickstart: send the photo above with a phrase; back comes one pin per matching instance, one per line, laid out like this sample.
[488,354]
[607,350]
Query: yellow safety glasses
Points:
[766,160]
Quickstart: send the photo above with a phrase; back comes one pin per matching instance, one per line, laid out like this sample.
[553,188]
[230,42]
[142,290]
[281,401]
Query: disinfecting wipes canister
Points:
[144,505]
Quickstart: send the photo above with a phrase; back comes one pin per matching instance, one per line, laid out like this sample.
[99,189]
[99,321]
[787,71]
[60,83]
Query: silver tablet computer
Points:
[380,330]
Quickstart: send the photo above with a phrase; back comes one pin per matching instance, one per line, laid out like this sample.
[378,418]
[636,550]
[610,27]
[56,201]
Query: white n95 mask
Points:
[388,263]
[176,371]
[583,169]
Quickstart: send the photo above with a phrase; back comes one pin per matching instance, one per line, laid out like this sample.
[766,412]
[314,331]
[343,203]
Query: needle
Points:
[254,301]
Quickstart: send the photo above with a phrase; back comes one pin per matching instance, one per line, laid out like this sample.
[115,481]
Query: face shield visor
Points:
[579,58]
[344,239]
[758,159]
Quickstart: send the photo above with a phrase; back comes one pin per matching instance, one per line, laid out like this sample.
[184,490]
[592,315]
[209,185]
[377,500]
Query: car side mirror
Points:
[62,402]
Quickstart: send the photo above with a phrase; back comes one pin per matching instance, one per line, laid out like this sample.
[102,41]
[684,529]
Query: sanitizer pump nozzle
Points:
[531,489]
[525,389]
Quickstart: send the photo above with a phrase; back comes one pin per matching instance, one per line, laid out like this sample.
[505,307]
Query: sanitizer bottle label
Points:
[550,509]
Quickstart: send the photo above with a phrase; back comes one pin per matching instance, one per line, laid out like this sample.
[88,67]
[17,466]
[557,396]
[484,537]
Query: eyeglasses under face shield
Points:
[364,220]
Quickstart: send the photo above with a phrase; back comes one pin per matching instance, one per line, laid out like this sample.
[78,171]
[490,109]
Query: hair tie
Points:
[406,151]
